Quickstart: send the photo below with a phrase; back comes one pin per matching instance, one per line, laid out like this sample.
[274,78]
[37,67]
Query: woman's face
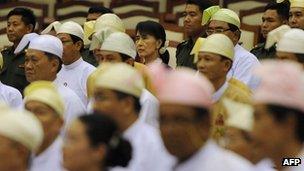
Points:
[147,45]
[78,154]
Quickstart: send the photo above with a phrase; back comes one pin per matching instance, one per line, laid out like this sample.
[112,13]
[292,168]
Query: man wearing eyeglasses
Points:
[75,71]
[227,22]
[193,29]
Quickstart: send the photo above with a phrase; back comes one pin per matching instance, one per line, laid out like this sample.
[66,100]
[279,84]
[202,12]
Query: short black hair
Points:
[300,57]
[76,39]
[101,129]
[28,16]
[99,9]
[233,27]
[124,57]
[280,113]
[223,58]
[121,95]
[52,56]
[201,3]
[156,30]
[281,8]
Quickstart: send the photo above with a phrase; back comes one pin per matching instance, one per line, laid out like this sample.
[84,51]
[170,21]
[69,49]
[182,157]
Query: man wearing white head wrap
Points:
[185,122]
[9,94]
[52,28]
[93,14]
[227,22]
[291,46]
[105,25]
[119,47]
[296,11]
[279,112]
[43,99]
[118,88]
[21,134]
[215,61]
[43,62]
[75,70]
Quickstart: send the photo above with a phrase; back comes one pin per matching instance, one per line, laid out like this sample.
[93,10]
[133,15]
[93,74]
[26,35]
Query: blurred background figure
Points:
[94,144]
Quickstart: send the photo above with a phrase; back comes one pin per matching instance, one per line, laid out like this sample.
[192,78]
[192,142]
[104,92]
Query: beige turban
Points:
[227,16]
[54,25]
[296,3]
[121,43]
[72,28]
[219,44]
[121,77]
[292,41]
[45,92]
[21,126]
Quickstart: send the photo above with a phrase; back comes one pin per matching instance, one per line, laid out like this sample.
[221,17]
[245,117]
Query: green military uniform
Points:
[183,57]
[261,53]
[88,56]
[13,73]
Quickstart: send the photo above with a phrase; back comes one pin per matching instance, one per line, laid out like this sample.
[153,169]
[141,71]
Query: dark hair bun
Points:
[119,153]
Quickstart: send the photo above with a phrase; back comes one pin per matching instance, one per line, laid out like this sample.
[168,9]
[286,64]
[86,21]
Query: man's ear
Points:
[227,64]
[29,28]
[55,65]
[79,45]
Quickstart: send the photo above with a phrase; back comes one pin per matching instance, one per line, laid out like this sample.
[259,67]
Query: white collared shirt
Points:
[73,105]
[211,157]
[50,159]
[265,165]
[10,96]
[242,66]
[75,77]
[148,153]
[218,94]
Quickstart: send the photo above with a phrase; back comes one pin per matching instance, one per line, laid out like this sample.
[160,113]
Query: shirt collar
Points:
[48,153]
[132,130]
[218,94]
[74,64]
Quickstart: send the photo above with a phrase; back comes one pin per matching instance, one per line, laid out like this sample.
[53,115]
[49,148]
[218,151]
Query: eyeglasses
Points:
[217,30]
